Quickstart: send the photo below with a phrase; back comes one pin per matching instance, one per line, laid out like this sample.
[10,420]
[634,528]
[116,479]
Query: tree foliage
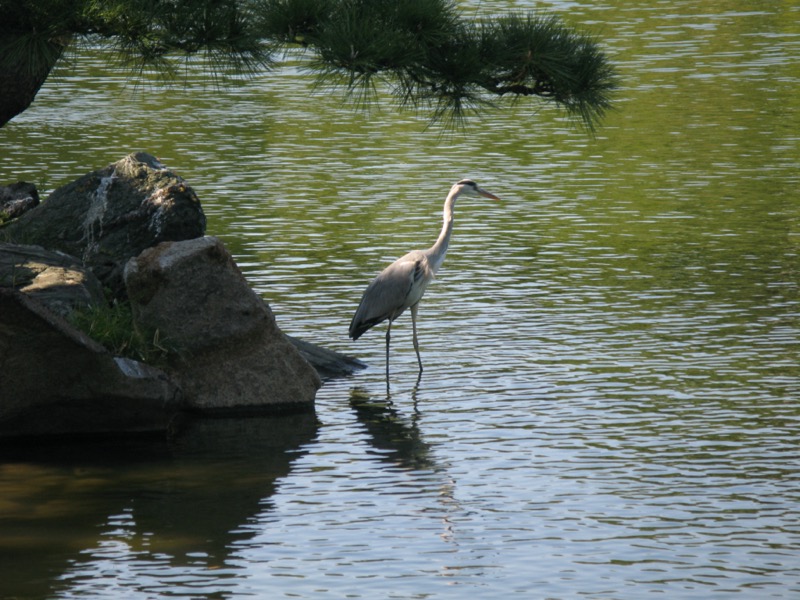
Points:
[423,51]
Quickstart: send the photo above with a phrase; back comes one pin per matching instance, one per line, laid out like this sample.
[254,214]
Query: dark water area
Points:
[196,491]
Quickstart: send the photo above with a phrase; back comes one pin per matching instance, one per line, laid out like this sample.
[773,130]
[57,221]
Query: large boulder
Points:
[230,355]
[56,381]
[58,280]
[112,214]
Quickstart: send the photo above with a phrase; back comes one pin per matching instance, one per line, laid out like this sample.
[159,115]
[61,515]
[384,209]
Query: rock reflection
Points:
[175,501]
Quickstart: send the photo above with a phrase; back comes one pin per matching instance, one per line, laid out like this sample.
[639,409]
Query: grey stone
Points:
[230,354]
[17,199]
[54,380]
[58,280]
[110,215]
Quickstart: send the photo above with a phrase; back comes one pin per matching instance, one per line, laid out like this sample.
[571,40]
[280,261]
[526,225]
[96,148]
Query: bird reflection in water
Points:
[398,441]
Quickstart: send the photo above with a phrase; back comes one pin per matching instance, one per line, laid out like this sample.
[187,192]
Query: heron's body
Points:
[398,287]
[402,284]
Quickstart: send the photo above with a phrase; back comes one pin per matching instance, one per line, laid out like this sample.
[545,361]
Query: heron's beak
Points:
[486,194]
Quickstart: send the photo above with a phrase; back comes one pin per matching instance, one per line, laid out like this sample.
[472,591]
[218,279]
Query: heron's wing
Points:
[397,287]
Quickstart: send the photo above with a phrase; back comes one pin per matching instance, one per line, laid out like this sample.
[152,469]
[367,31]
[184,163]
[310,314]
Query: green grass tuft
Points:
[113,327]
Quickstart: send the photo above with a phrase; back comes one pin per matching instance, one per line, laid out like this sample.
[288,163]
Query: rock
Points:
[57,381]
[329,364]
[112,214]
[16,199]
[231,356]
[58,280]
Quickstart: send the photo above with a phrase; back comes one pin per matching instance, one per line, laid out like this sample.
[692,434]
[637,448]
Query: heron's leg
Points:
[388,336]
[414,329]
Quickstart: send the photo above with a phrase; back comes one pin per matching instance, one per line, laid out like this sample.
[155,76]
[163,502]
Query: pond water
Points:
[609,407]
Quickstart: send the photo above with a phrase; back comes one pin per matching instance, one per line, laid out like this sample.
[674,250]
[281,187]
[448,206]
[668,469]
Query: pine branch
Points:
[430,57]
[423,50]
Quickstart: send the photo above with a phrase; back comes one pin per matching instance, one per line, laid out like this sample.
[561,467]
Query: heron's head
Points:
[468,187]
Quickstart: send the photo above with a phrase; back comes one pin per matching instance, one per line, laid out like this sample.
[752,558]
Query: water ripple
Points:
[609,402]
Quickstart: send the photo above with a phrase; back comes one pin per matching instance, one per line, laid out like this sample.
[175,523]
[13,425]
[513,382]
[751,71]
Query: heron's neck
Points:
[439,249]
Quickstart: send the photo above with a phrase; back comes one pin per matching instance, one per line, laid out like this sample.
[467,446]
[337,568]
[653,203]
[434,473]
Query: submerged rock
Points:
[230,355]
[328,363]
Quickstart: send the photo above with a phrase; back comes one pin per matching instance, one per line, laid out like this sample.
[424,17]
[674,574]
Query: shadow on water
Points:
[184,500]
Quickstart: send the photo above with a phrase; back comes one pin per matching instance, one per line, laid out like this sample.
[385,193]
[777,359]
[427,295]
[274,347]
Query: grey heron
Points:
[402,284]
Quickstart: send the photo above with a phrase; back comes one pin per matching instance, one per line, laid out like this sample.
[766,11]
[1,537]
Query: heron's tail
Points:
[359,327]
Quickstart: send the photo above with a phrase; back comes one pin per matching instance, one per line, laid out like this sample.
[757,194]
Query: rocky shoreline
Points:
[132,235]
